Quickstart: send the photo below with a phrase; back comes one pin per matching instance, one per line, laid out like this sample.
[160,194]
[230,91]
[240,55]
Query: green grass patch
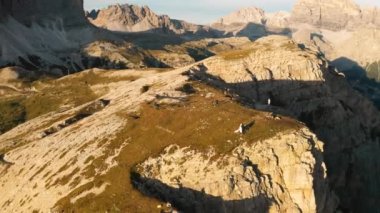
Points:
[236,54]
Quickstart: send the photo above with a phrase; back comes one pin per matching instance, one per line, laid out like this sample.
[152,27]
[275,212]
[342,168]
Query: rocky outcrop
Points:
[301,82]
[282,174]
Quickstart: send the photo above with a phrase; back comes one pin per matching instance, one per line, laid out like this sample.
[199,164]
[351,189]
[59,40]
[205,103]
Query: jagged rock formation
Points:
[292,83]
[282,174]
[132,18]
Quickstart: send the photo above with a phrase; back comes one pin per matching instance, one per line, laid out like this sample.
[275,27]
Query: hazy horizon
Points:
[205,11]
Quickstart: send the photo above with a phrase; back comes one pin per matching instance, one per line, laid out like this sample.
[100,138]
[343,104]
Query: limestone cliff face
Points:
[70,12]
[282,174]
[334,15]
[302,83]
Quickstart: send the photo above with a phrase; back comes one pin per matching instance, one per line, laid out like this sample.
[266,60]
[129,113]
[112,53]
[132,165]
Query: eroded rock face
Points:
[282,174]
[301,82]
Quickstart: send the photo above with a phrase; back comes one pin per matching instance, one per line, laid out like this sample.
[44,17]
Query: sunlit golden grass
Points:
[53,94]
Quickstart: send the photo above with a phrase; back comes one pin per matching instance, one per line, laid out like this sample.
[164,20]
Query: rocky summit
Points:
[124,110]
[132,18]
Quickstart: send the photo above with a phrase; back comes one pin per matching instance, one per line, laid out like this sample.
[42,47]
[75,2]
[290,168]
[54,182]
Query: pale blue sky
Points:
[205,11]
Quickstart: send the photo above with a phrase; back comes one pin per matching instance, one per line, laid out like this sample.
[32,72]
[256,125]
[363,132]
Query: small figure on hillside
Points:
[269,102]
[240,129]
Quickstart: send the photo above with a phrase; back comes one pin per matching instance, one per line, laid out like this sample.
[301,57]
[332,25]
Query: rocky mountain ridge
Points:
[133,18]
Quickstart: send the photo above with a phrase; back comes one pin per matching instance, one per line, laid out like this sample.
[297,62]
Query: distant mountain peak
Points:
[244,15]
